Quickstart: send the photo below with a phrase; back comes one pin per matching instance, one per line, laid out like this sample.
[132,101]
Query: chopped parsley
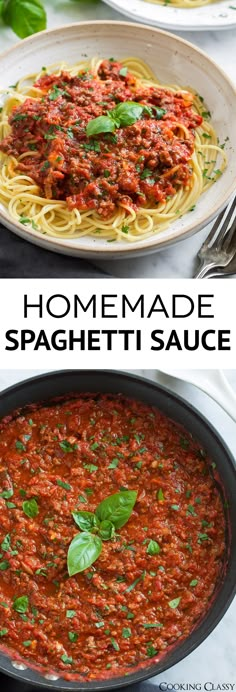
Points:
[91,467]
[123,71]
[67,659]
[114,463]
[94,446]
[4,565]
[72,636]
[202,537]
[114,644]
[20,446]
[151,651]
[67,446]
[174,603]
[64,485]
[6,543]
[70,613]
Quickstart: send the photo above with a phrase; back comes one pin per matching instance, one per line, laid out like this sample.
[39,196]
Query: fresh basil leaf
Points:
[106,530]
[101,124]
[127,113]
[153,548]
[83,551]
[4,630]
[21,604]
[25,17]
[85,520]
[30,508]
[117,508]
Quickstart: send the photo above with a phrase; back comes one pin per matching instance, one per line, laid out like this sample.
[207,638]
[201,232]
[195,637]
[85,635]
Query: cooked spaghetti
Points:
[182,3]
[102,149]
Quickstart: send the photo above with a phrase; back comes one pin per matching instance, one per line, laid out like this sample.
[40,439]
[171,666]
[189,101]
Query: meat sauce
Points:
[142,164]
[133,604]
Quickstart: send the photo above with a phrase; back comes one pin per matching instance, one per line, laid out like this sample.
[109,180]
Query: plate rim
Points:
[169,24]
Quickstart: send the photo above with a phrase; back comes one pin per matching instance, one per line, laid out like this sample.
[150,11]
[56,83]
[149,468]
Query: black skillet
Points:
[59,383]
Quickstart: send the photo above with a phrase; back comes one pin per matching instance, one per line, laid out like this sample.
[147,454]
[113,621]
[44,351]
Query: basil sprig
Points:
[25,17]
[124,114]
[111,514]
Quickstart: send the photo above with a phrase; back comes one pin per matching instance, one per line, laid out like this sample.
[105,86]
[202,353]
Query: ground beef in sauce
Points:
[141,164]
[130,606]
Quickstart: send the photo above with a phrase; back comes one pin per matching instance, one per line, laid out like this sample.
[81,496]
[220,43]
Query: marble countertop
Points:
[178,260]
[214,660]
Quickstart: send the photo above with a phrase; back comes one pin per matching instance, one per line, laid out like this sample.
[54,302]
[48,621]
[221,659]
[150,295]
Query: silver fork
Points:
[219,247]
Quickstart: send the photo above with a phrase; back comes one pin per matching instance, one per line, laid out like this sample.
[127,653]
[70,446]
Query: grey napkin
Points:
[20,259]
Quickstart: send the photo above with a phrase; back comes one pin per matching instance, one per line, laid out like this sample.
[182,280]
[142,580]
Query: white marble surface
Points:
[179,260]
[214,661]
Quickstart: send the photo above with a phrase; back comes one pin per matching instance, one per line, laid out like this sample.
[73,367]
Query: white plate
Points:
[217,15]
[174,61]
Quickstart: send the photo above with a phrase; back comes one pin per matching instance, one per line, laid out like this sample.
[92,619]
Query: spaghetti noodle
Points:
[102,149]
[182,3]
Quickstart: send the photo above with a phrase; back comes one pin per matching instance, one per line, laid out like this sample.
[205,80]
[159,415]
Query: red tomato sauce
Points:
[137,165]
[130,606]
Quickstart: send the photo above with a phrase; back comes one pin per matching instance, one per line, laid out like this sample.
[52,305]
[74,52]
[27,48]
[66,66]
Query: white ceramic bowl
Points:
[174,61]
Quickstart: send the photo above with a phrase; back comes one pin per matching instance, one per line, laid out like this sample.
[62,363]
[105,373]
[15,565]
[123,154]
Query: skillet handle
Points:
[219,389]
